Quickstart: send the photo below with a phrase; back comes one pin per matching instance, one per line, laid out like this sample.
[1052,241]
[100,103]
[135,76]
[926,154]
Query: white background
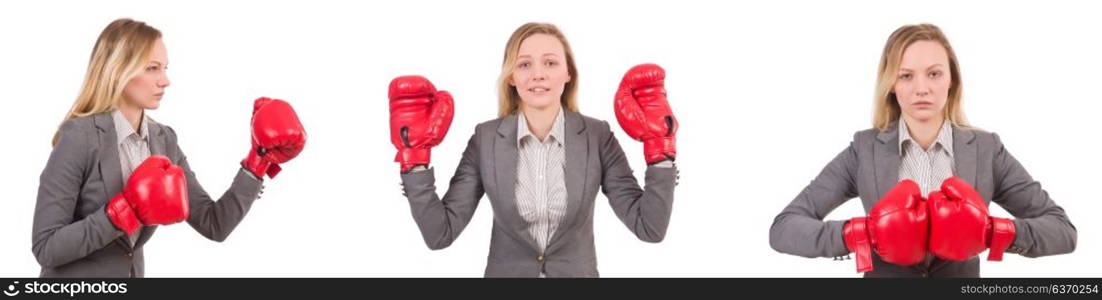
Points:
[766,95]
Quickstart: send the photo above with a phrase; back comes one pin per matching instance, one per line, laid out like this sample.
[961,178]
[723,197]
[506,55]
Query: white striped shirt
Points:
[929,167]
[541,187]
[133,149]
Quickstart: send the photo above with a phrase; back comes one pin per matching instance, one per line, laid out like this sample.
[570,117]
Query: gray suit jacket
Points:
[72,236]
[870,166]
[594,160]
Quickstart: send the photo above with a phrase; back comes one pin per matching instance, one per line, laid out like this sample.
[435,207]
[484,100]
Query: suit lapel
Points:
[887,161]
[965,153]
[577,152]
[109,167]
[156,138]
[504,159]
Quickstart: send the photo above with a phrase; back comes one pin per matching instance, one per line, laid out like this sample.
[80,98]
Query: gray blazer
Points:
[489,166]
[870,166]
[72,236]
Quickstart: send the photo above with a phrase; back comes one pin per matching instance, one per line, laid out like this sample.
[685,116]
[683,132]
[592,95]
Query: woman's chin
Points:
[539,104]
[923,116]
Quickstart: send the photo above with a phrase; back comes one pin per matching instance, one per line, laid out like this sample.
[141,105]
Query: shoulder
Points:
[162,130]
[81,126]
[78,133]
[77,140]
[867,136]
[168,138]
[487,131]
[576,122]
[598,126]
[489,126]
[980,136]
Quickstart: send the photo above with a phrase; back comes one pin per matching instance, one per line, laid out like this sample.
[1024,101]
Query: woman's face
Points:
[146,89]
[540,72]
[924,78]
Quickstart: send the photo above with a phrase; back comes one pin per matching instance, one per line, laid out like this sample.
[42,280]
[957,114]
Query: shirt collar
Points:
[123,130]
[555,134]
[944,137]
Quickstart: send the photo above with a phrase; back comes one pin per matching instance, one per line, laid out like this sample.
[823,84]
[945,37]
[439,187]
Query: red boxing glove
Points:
[644,114]
[960,226]
[419,119]
[122,215]
[278,137]
[896,228]
[155,194]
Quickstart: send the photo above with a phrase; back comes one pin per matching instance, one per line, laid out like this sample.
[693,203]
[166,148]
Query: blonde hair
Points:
[508,98]
[121,52]
[886,108]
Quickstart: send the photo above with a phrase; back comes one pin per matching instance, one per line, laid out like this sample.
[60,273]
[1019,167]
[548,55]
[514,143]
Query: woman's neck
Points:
[133,115]
[923,132]
[540,120]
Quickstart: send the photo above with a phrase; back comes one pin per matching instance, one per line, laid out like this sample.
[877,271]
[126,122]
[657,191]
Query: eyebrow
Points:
[545,54]
[927,68]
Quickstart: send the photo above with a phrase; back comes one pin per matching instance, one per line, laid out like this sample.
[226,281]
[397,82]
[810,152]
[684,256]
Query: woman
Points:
[100,198]
[922,145]
[541,162]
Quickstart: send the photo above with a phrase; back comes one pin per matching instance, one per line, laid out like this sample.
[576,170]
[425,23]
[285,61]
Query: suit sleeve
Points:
[56,237]
[1042,227]
[442,220]
[216,220]
[645,211]
[799,229]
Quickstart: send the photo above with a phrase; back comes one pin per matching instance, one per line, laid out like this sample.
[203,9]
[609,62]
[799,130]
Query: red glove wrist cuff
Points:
[856,235]
[659,149]
[409,157]
[259,166]
[122,215]
[1001,234]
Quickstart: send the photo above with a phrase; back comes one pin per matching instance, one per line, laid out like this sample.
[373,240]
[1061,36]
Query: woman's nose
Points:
[922,90]
[164,82]
[922,87]
[539,74]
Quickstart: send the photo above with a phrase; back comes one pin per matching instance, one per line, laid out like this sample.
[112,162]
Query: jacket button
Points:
[129,254]
[540,258]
